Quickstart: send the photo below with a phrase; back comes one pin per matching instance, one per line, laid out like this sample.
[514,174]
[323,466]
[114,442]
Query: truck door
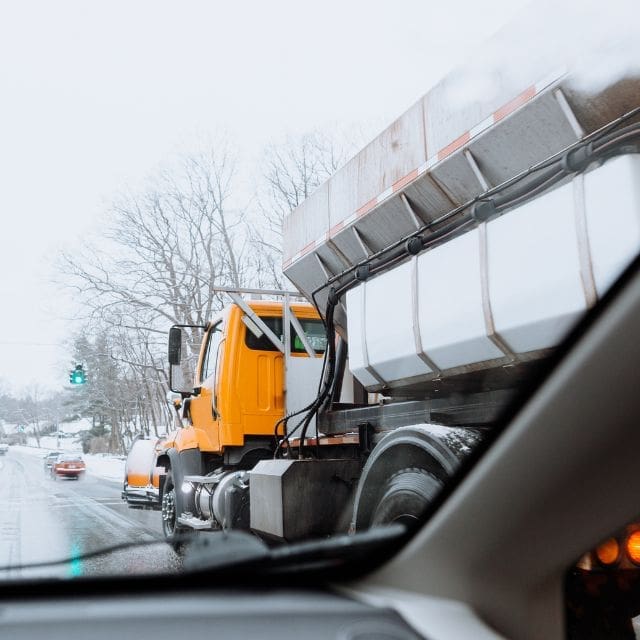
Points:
[203,407]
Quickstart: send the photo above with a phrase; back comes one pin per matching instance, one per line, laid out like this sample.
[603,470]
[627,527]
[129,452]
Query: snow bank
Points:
[67,429]
[55,444]
[106,467]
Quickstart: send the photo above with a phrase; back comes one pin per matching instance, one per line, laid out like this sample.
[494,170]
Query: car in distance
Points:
[3,448]
[49,459]
[68,465]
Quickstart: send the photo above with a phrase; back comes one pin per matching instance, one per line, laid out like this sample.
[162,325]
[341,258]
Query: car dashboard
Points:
[225,614]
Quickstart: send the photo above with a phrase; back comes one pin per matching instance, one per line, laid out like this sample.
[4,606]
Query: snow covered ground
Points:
[98,465]
[67,429]
[105,466]
[102,466]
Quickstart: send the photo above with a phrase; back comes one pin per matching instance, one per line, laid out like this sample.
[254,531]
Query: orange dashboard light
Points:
[608,552]
[633,547]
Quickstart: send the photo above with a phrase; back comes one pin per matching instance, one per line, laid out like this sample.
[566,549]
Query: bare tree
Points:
[32,410]
[169,246]
[292,171]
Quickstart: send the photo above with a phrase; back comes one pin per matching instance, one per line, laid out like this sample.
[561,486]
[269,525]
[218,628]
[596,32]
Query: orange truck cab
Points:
[252,366]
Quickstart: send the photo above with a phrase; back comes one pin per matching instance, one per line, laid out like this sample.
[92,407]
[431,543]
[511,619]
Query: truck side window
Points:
[313,329]
[263,343]
[210,358]
[315,334]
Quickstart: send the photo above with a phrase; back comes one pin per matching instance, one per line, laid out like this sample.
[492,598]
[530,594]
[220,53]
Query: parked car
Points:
[49,459]
[3,448]
[68,465]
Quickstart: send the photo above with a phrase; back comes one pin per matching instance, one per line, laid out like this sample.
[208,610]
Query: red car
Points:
[68,465]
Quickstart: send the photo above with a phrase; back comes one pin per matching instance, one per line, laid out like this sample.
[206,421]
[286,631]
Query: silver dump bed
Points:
[504,291]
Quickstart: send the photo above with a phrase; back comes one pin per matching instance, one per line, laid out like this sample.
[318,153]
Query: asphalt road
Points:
[42,519]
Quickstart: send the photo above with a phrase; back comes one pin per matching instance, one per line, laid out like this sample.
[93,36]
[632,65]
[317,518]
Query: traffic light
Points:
[77,376]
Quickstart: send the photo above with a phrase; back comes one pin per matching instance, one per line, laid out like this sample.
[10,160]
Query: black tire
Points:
[170,507]
[406,496]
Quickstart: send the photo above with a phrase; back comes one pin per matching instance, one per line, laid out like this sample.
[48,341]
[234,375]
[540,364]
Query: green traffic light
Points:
[77,376]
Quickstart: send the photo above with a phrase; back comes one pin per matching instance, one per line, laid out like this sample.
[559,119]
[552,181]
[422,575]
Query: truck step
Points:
[202,479]
[194,523]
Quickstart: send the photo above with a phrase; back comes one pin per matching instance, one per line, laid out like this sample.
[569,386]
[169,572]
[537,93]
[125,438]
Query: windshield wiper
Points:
[240,550]
[220,551]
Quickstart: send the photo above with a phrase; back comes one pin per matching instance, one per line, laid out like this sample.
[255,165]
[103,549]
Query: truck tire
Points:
[406,496]
[171,506]
[405,470]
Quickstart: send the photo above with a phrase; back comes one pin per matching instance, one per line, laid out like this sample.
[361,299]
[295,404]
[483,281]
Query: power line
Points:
[30,344]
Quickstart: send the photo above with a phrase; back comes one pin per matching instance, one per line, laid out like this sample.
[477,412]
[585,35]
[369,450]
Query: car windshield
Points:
[280,271]
[69,458]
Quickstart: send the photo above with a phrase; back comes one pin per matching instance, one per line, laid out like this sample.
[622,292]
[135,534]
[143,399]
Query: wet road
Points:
[42,520]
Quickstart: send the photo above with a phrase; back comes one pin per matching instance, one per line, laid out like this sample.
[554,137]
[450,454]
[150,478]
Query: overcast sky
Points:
[95,95]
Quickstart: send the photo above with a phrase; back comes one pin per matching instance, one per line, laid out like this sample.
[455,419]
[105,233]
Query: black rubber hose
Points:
[331,366]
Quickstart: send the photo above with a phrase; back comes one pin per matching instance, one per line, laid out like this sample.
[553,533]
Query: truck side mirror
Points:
[175,345]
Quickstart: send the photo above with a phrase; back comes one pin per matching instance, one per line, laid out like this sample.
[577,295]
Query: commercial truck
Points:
[439,268]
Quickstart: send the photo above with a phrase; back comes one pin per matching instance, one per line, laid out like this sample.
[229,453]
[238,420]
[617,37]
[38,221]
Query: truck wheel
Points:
[406,496]
[170,509]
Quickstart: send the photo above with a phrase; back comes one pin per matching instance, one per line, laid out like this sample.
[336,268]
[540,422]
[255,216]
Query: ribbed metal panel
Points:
[503,293]
[419,168]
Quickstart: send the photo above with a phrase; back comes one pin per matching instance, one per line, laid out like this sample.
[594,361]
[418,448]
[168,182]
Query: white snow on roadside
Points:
[106,467]
[67,429]
[98,465]
[55,444]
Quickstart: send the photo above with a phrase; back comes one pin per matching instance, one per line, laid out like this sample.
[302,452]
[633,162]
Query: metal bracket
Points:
[331,245]
[202,479]
[242,303]
[194,523]
[325,269]
[416,320]
[365,350]
[487,311]
[484,183]
[366,249]
[584,249]
[417,220]
[365,436]
[567,111]
[258,292]
[303,338]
